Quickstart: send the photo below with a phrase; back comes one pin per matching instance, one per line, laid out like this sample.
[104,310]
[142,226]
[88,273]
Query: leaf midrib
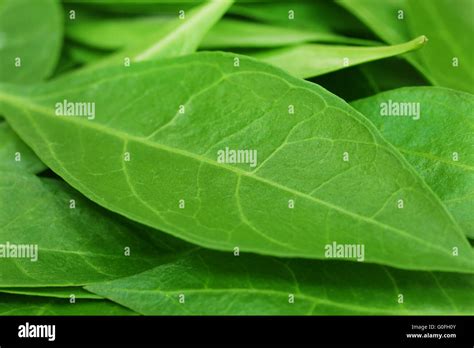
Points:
[20,101]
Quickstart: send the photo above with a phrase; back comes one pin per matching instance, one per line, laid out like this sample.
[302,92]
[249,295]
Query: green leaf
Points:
[29,305]
[180,37]
[449,57]
[302,61]
[309,60]
[382,17]
[212,283]
[148,7]
[59,292]
[30,31]
[76,246]
[438,145]
[447,24]
[143,158]
[15,154]
[116,33]
[113,33]
[317,15]
[239,34]
[36,43]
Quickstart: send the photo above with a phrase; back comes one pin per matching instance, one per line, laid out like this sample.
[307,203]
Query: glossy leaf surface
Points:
[438,144]
[30,305]
[75,246]
[160,167]
[211,283]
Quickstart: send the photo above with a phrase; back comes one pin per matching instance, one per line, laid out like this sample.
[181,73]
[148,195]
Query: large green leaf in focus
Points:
[152,155]
[439,144]
[76,246]
[14,305]
[30,30]
[212,283]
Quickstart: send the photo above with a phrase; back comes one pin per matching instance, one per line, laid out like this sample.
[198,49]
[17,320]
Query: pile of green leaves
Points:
[133,214]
